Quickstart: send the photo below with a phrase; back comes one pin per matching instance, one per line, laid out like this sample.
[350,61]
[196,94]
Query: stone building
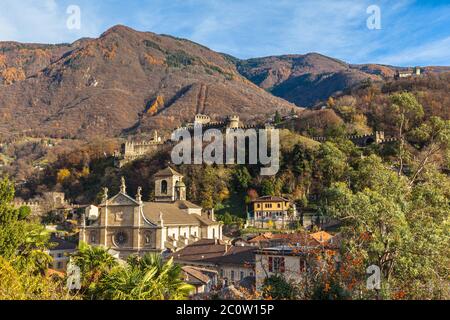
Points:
[132,150]
[53,203]
[378,137]
[131,226]
[201,119]
[296,259]
[61,252]
[410,72]
[204,280]
[231,122]
[233,263]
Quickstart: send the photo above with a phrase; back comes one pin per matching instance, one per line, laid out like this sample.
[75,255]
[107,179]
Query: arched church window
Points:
[164,187]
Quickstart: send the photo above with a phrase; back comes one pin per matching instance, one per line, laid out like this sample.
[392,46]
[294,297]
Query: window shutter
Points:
[282,265]
[270,264]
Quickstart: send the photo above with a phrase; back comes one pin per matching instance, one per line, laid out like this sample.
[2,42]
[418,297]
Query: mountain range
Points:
[128,82]
[311,78]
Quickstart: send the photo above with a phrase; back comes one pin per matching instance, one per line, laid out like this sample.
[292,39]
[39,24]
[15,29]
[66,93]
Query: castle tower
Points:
[128,148]
[165,183]
[379,137]
[201,119]
[155,136]
[417,71]
[233,122]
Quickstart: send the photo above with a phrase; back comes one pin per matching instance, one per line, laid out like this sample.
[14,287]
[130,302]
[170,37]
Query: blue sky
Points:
[413,32]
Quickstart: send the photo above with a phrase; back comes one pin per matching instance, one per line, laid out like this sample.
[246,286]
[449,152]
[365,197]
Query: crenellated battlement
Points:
[31,204]
[363,140]
[131,150]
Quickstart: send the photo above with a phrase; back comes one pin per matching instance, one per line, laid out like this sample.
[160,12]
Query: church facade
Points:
[129,225]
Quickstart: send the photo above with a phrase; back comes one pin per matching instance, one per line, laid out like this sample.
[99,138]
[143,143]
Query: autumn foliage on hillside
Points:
[431,91]
[11,75]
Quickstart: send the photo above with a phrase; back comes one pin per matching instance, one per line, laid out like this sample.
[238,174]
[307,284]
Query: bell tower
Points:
[166,186]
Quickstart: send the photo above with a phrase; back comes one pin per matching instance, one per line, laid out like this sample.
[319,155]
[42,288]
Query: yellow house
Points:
[270,211]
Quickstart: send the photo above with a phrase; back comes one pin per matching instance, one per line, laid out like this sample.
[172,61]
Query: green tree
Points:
[433,138]
[242,178]
[405,113]
[268,187]
[21,242]
[227,218]
[23,257]
[22,285]
[276,287]
[331,163]
[402,228]
[94,262]
[146,278]
[7,212]
[277,118]
[24,212]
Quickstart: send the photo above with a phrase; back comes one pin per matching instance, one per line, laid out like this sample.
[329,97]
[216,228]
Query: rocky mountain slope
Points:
[127,82]
[308,79]
[124,81]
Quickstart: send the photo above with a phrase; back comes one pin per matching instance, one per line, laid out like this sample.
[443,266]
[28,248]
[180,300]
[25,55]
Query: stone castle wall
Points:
[364,140]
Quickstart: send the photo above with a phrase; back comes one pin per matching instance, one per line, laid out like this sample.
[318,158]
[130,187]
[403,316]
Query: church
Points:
[131,226]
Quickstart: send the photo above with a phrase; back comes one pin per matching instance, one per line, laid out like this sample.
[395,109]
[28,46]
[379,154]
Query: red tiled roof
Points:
[292,238]
[215,252]
[52,272]
[198,273]
[321,236]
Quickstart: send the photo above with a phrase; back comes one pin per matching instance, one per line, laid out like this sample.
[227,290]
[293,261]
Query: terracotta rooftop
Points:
[215,253]
[199,274]
[53,272]
[321,236]
[299,238]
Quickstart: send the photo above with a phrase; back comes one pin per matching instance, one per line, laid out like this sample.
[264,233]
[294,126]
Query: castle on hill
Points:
[132,150]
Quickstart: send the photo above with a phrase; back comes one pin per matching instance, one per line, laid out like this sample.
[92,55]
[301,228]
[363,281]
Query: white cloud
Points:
[436,51]
[249,28]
